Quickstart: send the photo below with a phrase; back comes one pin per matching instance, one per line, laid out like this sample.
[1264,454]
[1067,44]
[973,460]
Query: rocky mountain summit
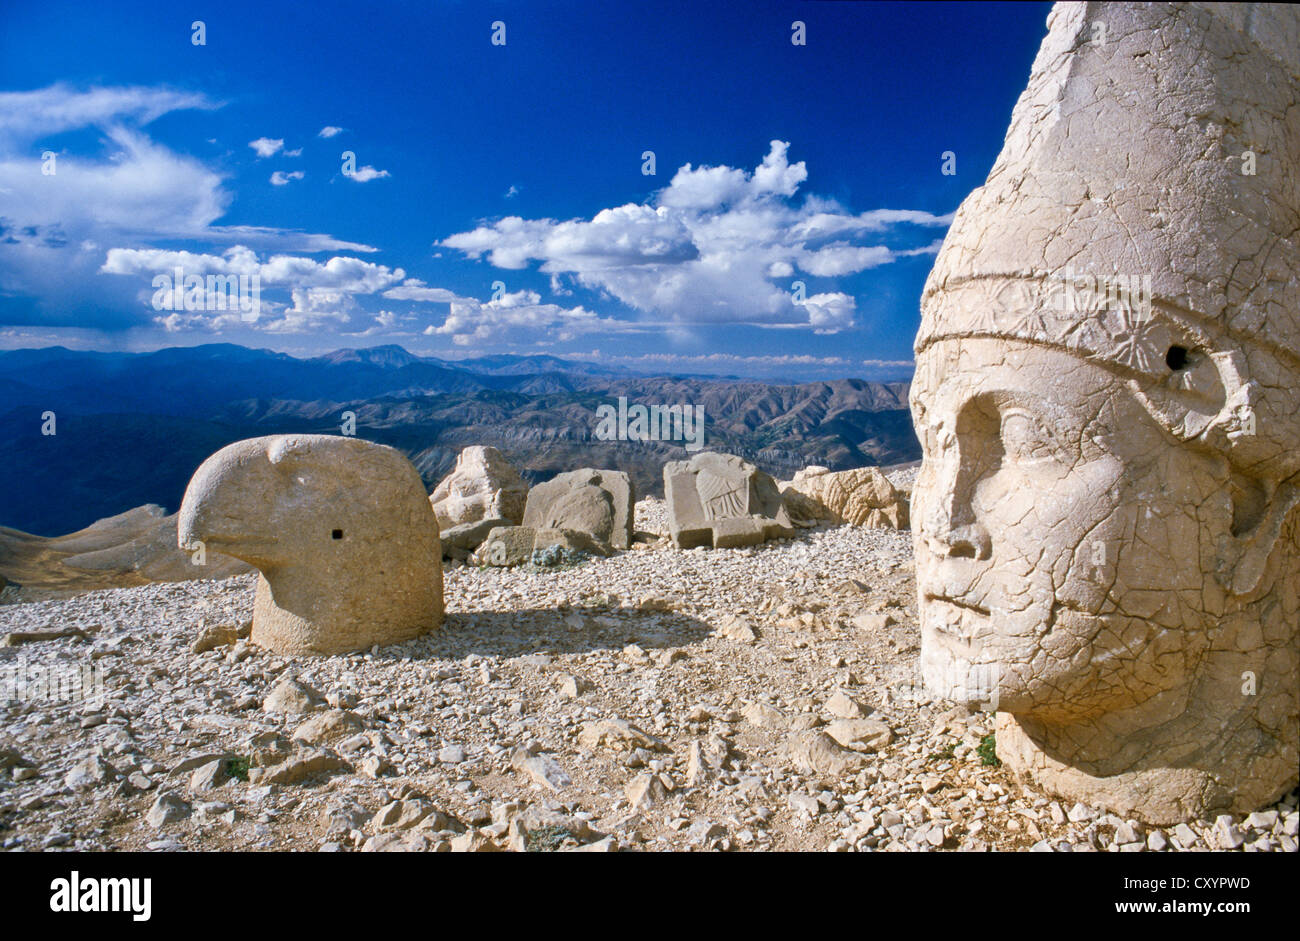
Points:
[757,698]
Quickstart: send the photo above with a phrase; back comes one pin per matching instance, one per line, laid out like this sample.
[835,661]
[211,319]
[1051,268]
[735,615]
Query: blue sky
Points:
[496,200]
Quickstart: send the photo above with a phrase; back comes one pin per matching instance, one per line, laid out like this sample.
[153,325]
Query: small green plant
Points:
[545,839]
[943,754]
[988,751]
[557,557]
[237,767]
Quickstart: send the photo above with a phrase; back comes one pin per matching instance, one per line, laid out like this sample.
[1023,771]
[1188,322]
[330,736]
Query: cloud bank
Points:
[718,245]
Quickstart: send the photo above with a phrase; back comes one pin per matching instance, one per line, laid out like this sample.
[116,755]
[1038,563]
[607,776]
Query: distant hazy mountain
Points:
[132,427]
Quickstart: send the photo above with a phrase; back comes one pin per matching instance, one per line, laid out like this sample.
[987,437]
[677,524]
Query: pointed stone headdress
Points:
[1148,219]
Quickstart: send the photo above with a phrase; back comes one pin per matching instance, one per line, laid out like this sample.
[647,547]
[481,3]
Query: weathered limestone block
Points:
[596,502]
[1107,396]
[152,554]
[573,539]
[507,546]
[862,496]
[340,529]
[803,510]
[482,485]
[461,540]
[721,501]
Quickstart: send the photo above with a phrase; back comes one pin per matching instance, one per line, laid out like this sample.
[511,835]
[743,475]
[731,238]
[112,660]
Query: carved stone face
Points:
[1107,520]
[1061,535]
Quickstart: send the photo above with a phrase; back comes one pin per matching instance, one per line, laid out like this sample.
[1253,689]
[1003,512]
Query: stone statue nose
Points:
[949,526]
[949,522]
[965,542]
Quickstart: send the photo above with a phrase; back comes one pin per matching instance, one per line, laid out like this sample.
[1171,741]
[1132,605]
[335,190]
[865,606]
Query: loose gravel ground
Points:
[751,699]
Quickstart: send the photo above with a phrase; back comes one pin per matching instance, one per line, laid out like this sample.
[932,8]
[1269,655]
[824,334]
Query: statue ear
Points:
[1259,513]
[1196,393]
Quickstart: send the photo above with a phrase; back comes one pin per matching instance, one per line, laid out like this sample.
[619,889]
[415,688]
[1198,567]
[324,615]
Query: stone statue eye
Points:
[1025,439]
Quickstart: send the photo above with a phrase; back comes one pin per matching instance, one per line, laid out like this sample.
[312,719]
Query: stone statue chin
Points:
[1107,396]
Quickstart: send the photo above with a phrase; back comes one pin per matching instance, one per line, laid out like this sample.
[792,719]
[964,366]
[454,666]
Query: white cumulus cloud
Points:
[717,245]
[473,321]
[365,174]
[319,294]
[116,187]
[266,147]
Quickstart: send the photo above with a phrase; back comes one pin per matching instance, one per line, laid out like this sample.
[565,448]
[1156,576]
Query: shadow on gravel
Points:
[523,631]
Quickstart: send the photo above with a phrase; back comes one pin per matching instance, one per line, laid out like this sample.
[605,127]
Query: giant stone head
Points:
[1108,400]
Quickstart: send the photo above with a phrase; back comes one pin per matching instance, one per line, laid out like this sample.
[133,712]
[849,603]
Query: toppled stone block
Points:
[862,496]
[596,502]
[458,542]
[721,501]
[506,546]
[515,545]
[572,540]
[483,485]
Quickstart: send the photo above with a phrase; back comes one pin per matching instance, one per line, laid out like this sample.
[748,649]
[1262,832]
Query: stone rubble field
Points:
[765,698]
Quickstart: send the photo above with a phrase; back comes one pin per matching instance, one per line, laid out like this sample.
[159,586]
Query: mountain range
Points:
[130,428]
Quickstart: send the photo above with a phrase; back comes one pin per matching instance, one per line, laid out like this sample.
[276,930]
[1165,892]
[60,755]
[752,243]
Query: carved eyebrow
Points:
[1019,411]
[1043,429]
[1033,407]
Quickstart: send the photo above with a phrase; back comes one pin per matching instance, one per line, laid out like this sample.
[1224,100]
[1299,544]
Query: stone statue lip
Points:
[965,629]
[965,604]
[957,603]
